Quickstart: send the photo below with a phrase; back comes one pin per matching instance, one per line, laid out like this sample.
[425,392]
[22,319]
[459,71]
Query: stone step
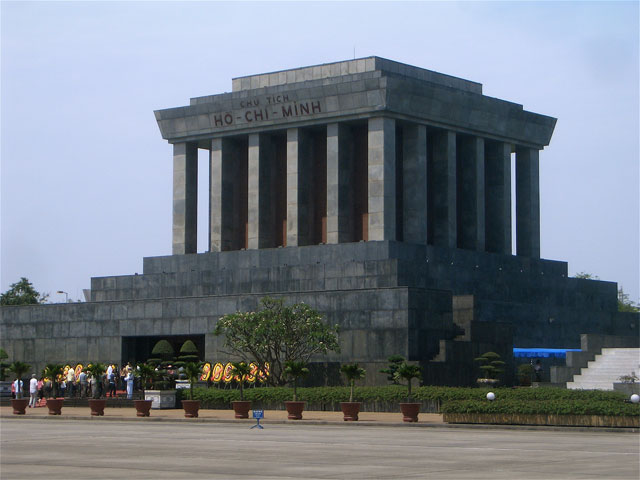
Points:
[606,369]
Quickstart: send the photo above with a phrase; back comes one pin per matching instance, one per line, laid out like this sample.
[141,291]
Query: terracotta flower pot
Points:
[97,406]
[241,408]
[143,407]
[350,411]
[55,405]
[294,409]
[19,405]
[410,411]
[191,408]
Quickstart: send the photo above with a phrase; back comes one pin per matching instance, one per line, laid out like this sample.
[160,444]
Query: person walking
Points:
[33,391]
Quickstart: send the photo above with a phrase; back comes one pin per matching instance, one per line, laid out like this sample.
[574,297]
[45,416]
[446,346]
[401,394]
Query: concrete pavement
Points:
[117,449]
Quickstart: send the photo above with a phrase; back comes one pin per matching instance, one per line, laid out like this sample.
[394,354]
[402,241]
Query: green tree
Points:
[277,334]
[490,364]
[162,353]
[295,370]
[3,365]
[19,369]
[147,373]
[52,371]
[353,373]
[586,276]
[394,362]
[241,369]
[188,354]
[624,304]
[408,372]
[96,370]
[192,370]
[22,293]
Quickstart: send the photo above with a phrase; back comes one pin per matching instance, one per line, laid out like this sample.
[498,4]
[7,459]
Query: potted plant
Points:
[241,408]
[295,370]
[97,404]
[146,373]
[351,409]
[409,409]
[193,371]
[53,372]
[491,367]
[525,370]
[19,404]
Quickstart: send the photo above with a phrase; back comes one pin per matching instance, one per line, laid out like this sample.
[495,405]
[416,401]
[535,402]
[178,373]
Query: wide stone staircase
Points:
[606,368]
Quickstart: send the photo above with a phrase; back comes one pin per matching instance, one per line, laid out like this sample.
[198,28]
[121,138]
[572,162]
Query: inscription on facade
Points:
[267,108]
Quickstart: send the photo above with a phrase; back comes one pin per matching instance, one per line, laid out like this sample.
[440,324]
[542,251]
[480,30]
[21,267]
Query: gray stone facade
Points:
[378,193]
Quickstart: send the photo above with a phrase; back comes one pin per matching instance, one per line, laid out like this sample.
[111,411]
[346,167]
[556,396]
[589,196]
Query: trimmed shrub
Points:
[550,407]
[434,399]
[162,351]
[188,352]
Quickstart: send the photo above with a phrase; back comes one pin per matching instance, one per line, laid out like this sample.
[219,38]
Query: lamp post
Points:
[66,300]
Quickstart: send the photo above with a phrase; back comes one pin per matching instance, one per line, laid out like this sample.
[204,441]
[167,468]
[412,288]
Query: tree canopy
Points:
[491,364]
[22,293]
[625,304]
[277,334]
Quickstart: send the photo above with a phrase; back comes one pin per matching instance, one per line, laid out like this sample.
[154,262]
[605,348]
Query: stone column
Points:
[527,202]
[299,156]
[443,183]
[470,201]
[414,179]
[339,189]
[498,197]
[259,196]
[382,179]
[221,185]
[185,198]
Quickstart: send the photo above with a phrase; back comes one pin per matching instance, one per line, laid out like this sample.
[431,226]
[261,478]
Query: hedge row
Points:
[383,398]
[549,407]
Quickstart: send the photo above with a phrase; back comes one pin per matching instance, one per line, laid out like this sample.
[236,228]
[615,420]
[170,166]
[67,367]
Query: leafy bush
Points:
[550,407]
[394,363]
[434,399]
[188,354]
[491,364]
[162,353]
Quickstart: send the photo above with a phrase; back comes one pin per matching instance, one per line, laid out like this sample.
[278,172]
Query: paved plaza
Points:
[110,448]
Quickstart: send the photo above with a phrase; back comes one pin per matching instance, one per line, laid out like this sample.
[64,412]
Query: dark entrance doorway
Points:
[138,349]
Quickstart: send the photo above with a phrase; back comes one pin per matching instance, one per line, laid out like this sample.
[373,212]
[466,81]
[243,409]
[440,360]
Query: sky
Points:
[86,179]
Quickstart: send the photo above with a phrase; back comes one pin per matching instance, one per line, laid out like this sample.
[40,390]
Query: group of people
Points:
[82,385]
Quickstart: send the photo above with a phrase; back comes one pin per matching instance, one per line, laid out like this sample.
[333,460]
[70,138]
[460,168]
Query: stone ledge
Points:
[553,420]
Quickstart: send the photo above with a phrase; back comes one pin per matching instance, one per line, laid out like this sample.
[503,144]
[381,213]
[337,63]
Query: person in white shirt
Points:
[17,387]
[33,391]
[129,378]
[71,382]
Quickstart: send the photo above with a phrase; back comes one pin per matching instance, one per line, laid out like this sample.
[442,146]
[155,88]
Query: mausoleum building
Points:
[377,192]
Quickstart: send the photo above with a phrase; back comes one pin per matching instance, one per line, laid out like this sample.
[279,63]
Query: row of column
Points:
[455,189]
